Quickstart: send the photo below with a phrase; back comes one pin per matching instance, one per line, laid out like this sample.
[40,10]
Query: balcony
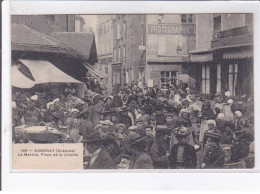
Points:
[240,36]
[232,32]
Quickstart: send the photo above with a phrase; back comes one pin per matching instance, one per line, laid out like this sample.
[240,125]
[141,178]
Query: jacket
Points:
[213,156]
[158,154]
[142,161]
[189,157]
[103,161]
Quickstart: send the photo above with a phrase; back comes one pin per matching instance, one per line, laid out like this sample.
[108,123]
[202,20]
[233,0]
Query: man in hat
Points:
[182,154]
[160,148]
[206,114]
[109,105]
[98,157]
[149,137]
[141,159]
[140,126]
[213,156]
[222,125]
[124,118]
[160,117]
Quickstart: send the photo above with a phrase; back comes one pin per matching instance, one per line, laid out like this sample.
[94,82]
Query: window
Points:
[119,54]
[124,53]
[118,32]
[217,23]
[108,26]
[124,27]
[186,18]
[205,85]
[232,78]
[166,77]
[104,28]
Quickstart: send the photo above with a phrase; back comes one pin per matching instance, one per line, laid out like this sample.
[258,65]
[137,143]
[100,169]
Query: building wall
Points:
[129,33]
[66,22]
[204,29]
[105,35]
[229,21]
[47,24]
[105,46]
[169,40]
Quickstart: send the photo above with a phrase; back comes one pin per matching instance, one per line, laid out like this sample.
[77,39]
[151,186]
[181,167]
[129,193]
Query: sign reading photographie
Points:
[172,29]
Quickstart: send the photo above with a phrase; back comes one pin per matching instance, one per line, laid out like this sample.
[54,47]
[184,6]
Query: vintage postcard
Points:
[125,95]
[132,91]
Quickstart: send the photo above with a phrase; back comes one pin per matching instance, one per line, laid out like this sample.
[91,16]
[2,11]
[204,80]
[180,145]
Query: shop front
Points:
[234,55]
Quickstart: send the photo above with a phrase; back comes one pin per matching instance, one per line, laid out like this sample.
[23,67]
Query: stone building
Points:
[223,58]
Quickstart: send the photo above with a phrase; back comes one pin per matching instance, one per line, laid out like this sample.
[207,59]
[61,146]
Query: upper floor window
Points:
[217,23]
[186,18]
[118,31]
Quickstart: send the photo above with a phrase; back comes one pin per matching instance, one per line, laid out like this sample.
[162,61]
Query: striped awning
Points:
[239,54]
[202,58]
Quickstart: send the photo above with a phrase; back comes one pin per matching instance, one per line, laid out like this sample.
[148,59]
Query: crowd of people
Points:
[146,128]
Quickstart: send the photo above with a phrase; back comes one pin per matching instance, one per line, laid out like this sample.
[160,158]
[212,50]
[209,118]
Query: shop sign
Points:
[172,29]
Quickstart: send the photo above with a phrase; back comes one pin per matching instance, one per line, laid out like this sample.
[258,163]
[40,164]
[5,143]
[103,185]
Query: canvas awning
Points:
[202,58]
[46,72]
[19,80]
[238,54]
[96,72]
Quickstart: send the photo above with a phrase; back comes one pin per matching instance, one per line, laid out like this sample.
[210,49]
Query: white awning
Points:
[19,80]
[46,72]
[202,58]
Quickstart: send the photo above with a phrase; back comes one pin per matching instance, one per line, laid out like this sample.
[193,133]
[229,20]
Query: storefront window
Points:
[166,77]
[205,85]
[232,78]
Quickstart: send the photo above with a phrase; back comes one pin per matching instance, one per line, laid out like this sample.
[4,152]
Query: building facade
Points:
[129,58]
[224,53]
[170,37]
[105,46]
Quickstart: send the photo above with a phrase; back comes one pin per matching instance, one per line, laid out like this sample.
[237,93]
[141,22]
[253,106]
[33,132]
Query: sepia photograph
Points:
[133,91]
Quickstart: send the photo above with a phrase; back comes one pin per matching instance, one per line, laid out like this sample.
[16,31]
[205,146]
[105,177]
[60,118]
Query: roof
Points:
[82,42]
[24,38]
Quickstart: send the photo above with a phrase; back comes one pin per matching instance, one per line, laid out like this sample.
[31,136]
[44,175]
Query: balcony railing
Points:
[232,32]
